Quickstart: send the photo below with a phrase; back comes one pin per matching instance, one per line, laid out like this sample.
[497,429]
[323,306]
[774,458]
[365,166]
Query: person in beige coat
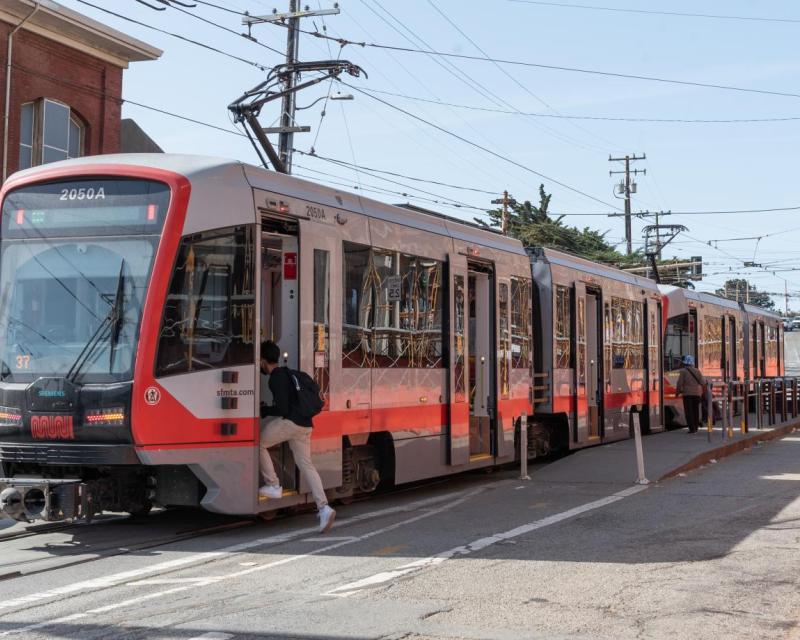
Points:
[691,385]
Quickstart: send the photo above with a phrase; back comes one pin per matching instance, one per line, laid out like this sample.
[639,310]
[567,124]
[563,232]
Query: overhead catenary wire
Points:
[460,75]
[677,14]
[534,114]
[511,77]
[481,147]
[553,67]
[172,114]
[226,29]
[175,35]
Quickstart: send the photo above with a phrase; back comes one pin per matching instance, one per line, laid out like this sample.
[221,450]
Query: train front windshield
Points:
[75,262]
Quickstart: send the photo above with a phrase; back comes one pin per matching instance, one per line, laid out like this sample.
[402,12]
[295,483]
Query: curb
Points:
[731,449]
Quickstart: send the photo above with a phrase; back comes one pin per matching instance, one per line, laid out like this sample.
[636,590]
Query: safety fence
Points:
[751,404]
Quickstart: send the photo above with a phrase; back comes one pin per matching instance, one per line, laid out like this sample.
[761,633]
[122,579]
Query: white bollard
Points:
[637,436]
[523,447]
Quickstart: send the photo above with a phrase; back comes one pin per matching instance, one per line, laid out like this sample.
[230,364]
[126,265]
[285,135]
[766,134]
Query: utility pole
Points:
[626,189]
[505,201]
[291,77]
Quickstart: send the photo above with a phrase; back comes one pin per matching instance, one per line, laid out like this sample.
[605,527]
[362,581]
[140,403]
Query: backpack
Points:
[308,400]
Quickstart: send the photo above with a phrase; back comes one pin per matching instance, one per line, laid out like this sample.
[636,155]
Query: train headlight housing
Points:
[10,417]
[105,417]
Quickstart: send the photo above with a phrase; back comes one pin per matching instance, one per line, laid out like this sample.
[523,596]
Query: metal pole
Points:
[637,435]
[8,87]
[286,138]
[710,414]
[523,447]
[628,232]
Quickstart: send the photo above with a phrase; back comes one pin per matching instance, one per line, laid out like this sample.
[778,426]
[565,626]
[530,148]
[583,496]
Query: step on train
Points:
[135,291]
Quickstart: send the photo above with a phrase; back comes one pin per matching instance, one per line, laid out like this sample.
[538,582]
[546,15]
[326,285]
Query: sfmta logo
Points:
[52,428]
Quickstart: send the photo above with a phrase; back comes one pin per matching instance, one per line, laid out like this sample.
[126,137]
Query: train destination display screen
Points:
[101,206]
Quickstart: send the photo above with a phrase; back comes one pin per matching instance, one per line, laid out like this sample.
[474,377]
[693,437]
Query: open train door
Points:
[654,396]
[458,365]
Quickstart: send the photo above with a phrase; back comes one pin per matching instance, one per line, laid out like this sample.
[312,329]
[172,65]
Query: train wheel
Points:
[140,510]
[268,516]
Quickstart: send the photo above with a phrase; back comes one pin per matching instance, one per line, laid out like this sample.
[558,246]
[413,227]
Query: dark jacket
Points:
[283,397]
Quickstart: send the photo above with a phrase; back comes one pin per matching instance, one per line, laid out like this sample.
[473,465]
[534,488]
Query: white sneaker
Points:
[326,518]
[270,491]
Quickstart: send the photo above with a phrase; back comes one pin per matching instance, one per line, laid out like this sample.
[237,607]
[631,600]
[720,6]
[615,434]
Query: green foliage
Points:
[741,290]
[534,227]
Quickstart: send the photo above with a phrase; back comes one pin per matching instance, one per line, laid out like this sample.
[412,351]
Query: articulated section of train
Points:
[135,291]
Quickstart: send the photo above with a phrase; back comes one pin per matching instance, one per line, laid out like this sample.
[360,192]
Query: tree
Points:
[533,226]
[741,290]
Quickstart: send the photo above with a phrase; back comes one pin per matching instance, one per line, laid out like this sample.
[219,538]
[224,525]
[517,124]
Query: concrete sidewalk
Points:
[665,455]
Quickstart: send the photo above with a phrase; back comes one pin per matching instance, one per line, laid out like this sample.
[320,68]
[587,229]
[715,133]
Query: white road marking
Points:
[783,476]
[197,581]
[328,538]
[213,635]
[478,545]
[262,567]
[198,558]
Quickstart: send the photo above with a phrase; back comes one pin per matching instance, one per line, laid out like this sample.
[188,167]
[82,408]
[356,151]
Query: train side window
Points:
[391,309]
[322,293]
[563,327]
[357,307]
[505,342]
[521,314]
[209,314]
[628,334]
[711,343]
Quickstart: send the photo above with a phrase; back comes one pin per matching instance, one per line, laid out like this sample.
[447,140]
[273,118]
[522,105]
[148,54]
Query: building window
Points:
[49,132]
[26,136]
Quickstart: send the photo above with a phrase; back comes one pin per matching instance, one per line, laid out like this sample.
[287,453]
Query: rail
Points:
[750,404]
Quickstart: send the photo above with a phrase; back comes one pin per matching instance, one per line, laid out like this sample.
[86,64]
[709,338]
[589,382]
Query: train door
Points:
[725,351]
[762,350]
[581,428]
[459,402]
[594,364]
[280,317]
[732,351]
[655,391]
[482,359]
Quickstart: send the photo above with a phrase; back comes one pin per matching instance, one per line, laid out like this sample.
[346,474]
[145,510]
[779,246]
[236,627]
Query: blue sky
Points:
[690,166]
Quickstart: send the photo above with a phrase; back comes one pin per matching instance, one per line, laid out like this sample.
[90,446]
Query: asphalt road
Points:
[709,555]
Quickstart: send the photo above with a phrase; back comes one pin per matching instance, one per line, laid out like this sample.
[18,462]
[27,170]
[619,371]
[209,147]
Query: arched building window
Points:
[49,131]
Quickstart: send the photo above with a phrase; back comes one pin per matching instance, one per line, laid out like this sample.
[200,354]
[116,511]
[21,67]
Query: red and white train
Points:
[135,291]
[728,341]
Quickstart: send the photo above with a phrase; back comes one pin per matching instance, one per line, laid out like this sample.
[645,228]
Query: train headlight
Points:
[10,417]
[106,417]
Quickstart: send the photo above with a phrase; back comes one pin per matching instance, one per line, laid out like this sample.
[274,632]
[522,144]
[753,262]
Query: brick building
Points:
[61,78]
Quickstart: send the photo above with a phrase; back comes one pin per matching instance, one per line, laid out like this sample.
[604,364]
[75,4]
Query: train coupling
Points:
[29,499]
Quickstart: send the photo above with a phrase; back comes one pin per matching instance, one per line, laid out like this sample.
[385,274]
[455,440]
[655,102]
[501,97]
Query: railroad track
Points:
[112,550]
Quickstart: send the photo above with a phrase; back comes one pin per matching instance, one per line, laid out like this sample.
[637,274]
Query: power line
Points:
[656,12]
[534,114]
[219,26]
[185,118]
[551,67]
[220,7]
[478,146]
[502,70]
[174,35]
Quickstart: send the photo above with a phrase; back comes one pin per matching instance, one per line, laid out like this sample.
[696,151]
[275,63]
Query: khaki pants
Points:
[277,430]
